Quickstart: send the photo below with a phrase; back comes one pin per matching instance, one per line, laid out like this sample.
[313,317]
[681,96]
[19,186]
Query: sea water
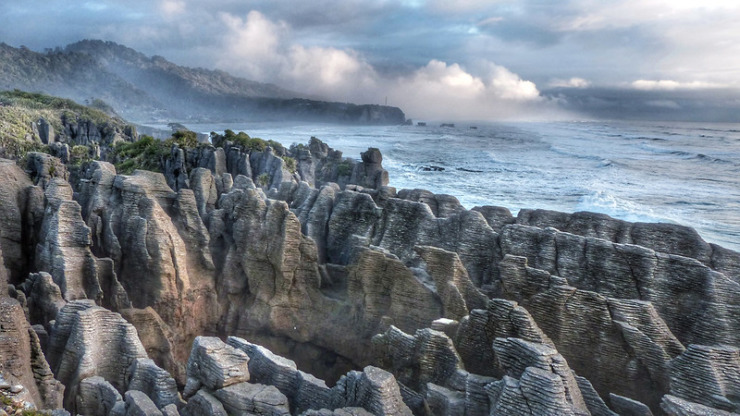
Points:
[683,173]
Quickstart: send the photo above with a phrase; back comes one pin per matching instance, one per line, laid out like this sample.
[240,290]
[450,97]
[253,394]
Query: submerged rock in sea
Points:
[355,298]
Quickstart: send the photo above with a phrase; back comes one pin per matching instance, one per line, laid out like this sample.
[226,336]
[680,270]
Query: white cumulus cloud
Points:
[671,85]
[448,91]
[574,82]
[264,50]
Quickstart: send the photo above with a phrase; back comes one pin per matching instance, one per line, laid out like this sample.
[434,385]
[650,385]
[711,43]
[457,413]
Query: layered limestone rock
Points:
[545,313]
[214,365]
[302,390]
[15,230]
[244,378]
[64,245]
[717,367]
[149,230]
[156,383]
[22,362]
[96,397]
[88,341]
[627,345]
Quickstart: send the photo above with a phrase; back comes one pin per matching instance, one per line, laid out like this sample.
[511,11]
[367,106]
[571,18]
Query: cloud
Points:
[259,48]
[574,82]
[663,104]
[447,91]
[171,8]
[670,85]
[354,50]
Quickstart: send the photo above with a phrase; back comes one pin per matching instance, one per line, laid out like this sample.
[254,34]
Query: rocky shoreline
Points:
[182,292]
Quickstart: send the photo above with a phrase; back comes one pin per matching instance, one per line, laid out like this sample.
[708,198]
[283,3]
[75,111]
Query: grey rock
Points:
[247,399]
[427,357]
[176,169]
[139,404]
[442,401]
[594,402]
[237,162]
[204,188]
[370,173]
[87,341]
[43,296]
[496,217]
[625,406]
[170,410]
[22,361]
[14,221]
[96,397]
[441,205]
[46,132]
[545,368]
[43,168]
[267,163]
[674,406]
[153,381]
[215,364]
[157,339]
[373,389]
[709,376]
[345,411]
[501,319]
[302,390]
[161,235]
[64,248]
[203,403]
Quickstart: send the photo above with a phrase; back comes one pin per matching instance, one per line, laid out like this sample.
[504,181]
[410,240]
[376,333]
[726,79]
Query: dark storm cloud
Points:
[706,104]
[494,53]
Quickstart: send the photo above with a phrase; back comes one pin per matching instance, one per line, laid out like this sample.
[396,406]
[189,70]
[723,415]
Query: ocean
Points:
[683,173]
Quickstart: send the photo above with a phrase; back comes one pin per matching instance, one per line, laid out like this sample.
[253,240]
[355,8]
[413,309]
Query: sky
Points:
[463,59]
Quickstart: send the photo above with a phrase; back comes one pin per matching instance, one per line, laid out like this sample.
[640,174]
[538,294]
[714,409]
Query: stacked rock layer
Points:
[230,285]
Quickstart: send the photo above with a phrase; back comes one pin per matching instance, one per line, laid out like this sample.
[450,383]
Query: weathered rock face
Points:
[241,378]
[96,397]
[15,230]
[545,313]
[22,361]
[149,230]
[88,341]
[64,248]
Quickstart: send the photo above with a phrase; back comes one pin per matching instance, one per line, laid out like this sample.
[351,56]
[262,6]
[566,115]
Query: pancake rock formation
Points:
[296,281]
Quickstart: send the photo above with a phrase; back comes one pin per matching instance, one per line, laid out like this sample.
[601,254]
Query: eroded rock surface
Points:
[447,311]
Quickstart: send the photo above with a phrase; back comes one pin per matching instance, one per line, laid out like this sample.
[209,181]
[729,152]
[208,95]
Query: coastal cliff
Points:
[272,280]
[153,89]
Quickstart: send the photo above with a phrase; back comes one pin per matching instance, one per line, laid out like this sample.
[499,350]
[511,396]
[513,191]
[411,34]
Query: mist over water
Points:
[684,173]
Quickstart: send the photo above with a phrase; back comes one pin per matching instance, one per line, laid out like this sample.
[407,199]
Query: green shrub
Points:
[344,168]
[79,154]
[290,163]
[295,147]
[146,153]
[186,139]
[263,180]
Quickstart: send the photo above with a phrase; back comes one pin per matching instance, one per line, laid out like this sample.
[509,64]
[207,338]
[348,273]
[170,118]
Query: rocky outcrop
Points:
[244,378]
[15,228]
[64,248]
[215,365]
[159,233]
[88,341]
[97,397]
[22,362]
[156,383]
[447,310]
